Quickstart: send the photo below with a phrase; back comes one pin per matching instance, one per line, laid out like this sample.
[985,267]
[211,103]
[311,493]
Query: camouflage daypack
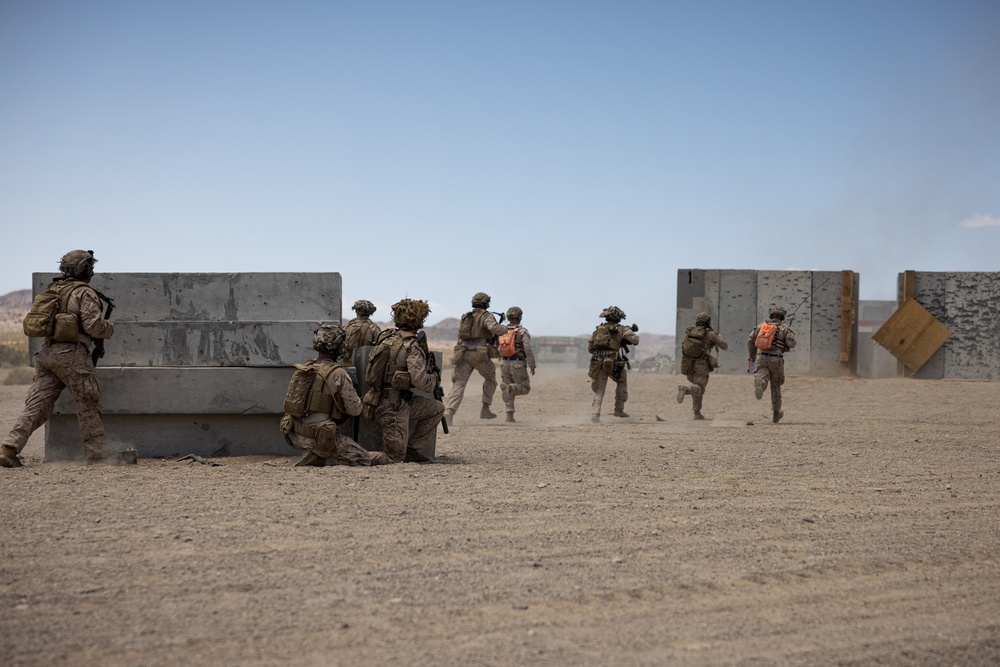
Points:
[48,308]
[693,346]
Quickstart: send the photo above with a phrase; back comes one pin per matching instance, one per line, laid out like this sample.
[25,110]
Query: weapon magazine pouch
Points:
[400,380]
[609,365]
[369,402]
[66,328]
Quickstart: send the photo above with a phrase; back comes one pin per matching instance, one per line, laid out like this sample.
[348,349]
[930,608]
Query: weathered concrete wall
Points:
[968,303]
[874,361]
[738,300]
[199,362]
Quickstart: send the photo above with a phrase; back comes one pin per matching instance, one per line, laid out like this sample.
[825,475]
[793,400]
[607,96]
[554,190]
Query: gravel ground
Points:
[861,530]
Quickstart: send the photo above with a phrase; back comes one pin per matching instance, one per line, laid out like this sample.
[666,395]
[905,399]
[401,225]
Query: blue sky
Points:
[560,156]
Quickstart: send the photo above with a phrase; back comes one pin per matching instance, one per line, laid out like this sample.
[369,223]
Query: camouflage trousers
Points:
[770,370]
[395,415]
[514,374]
[59,366]
[599,383]
[344,450]
[478,360]
[698,377]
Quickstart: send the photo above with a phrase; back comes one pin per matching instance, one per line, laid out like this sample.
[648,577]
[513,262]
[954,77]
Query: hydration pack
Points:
[607,338]
[507,345]
[765,336]
[384,353]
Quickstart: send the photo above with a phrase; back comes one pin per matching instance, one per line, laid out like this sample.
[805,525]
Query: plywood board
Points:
[912,334]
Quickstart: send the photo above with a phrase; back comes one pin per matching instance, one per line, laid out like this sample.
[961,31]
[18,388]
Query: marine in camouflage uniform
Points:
[514,371]
[321,432]
[60,365]
[408,420]
[605,362]
[698,369]
[474,352]
[360,331]
[770,364]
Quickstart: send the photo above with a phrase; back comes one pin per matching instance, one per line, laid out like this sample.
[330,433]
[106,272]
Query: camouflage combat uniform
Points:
[68,365]
[399,408]
[697,370]
[605,363]
[514,371]
[477,354]
[770,364]
[311,433]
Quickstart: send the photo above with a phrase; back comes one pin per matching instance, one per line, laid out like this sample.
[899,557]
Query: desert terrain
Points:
[863,529]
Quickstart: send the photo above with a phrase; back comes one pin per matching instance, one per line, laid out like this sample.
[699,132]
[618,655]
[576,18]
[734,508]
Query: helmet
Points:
[362,307]
[776,311]
[514,313]
[703,319]
[78,264]
[410,312]
[328,338]
[613,314]
[481,300]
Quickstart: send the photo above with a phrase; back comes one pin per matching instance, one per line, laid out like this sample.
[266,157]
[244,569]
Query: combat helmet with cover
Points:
[364,307]
[481,300]
[78,264]
[613,314]
[328,338]
[514,314]
[776,312]
[703,319]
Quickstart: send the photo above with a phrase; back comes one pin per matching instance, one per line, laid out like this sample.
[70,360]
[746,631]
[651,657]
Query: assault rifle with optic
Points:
[623,356]
[98,351]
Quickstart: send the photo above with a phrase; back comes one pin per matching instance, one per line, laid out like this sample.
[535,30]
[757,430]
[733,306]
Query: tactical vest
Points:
[607,338]
[308,391]
[382,362]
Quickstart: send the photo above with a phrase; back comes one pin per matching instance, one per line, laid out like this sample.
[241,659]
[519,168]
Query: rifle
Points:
[500,316]
[623,355]
[98,351]
[433,369]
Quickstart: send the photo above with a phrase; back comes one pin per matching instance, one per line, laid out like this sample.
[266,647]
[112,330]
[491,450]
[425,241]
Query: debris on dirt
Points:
[198,459]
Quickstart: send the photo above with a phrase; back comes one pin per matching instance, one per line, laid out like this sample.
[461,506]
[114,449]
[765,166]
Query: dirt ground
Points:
[863,529]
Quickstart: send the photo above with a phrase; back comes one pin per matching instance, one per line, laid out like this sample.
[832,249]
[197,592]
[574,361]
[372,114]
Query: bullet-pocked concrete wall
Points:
[200,362]
[568,350]
[738,300]
[968,303]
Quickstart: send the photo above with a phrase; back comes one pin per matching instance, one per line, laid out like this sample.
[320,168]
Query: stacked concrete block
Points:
[968,303]
[200,362]
[738,300]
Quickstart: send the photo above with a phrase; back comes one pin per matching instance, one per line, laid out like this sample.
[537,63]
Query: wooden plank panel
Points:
[912,334]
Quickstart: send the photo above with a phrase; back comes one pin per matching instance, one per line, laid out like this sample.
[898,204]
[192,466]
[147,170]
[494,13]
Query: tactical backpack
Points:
[305,390]
[507,345]
[765,336]
[693,346]
[50,307]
